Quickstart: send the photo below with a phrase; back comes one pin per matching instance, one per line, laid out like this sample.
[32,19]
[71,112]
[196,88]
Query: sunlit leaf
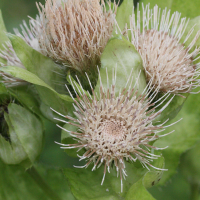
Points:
[123,14]
[120,56]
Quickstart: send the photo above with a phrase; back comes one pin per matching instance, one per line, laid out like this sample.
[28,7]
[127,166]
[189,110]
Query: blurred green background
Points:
[14,11]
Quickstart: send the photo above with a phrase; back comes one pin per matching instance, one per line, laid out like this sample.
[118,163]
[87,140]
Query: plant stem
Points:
[42,184]
[194,191]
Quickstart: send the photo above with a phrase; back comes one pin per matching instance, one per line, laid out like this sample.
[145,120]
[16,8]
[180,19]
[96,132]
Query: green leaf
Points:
[120,55]
[190,165]
[41,71]
[32,78]
[123,14]
[138,191]
[60,102]
[185,136]
[3,89]
[27,96]
[86,184]
[176,188]
[77,87]
[187,8]
[26,137]
[18,184]
[3,37]
[40,65]
[172,109]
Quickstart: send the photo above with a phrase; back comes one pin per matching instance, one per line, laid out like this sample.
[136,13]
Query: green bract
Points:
[66,138]
[172,109]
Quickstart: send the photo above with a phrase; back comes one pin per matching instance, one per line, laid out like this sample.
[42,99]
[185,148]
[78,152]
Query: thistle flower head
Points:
[74,32]
[113,128]
[166,60]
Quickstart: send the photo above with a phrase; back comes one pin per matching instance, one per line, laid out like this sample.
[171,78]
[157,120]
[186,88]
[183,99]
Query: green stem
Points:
[42,184]
[194,191]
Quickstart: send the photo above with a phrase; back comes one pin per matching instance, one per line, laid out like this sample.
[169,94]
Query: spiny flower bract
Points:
[115,129]
[158,37]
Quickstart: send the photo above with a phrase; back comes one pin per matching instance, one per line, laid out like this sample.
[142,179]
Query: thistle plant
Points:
[113,78]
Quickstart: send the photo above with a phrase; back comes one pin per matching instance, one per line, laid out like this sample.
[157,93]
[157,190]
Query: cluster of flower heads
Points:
[114,128]
[71,32]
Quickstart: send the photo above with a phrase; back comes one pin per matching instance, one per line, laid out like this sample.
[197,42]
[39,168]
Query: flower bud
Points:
[74,32]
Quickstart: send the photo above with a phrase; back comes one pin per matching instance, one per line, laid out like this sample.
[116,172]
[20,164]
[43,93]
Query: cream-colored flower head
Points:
[157,37]
[114,129]
[74,32]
